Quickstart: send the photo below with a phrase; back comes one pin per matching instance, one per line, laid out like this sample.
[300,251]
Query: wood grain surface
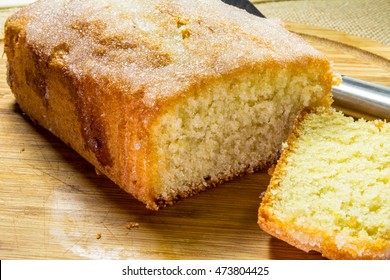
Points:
[54,206]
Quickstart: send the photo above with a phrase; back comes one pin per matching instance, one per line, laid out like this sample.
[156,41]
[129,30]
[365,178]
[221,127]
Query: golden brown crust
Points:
[111,70]
[305,238]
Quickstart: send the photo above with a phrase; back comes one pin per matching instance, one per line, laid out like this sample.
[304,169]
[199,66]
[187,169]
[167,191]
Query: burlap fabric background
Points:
[364,18]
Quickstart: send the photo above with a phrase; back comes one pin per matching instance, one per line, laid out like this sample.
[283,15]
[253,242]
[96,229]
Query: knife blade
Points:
[356,96]
[245,5]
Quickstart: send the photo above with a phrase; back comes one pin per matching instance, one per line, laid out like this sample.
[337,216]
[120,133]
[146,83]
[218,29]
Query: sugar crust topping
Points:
[153,50]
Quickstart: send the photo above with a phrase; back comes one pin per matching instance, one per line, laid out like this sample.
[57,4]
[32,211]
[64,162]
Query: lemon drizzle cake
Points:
[166,98]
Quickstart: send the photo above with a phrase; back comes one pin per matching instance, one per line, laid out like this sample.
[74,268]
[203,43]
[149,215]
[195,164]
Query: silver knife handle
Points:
[364,97]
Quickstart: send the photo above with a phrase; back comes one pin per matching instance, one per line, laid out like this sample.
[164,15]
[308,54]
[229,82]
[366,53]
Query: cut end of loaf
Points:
[231,127]
[330,191]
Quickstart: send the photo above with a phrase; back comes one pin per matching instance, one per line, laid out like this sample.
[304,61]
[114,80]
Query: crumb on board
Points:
[132,225]
[98,172]
[271,170]
[262,195]
[98,235]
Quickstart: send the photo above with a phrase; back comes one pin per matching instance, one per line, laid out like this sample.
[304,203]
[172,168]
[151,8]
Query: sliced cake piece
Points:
[330,190]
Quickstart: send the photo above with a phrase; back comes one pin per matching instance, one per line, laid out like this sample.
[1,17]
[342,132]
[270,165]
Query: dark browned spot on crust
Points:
[10,76]
[93,128]
[122,48]
[95,138]
[158,59]
[57,57]
[36,80]
[117,42]
[89,27]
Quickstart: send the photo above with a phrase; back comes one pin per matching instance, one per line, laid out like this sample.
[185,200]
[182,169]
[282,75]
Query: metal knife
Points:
[355,96]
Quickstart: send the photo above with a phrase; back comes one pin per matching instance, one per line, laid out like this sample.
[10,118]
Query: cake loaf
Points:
[330,190]
[166,98]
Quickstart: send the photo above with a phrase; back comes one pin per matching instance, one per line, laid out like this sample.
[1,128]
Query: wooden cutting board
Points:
[54,206]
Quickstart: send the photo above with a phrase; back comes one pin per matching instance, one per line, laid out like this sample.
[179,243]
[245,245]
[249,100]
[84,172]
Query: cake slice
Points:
[330,190]
[166,98]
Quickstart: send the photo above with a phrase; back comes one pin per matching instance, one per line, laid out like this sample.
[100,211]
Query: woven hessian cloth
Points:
[368,19]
